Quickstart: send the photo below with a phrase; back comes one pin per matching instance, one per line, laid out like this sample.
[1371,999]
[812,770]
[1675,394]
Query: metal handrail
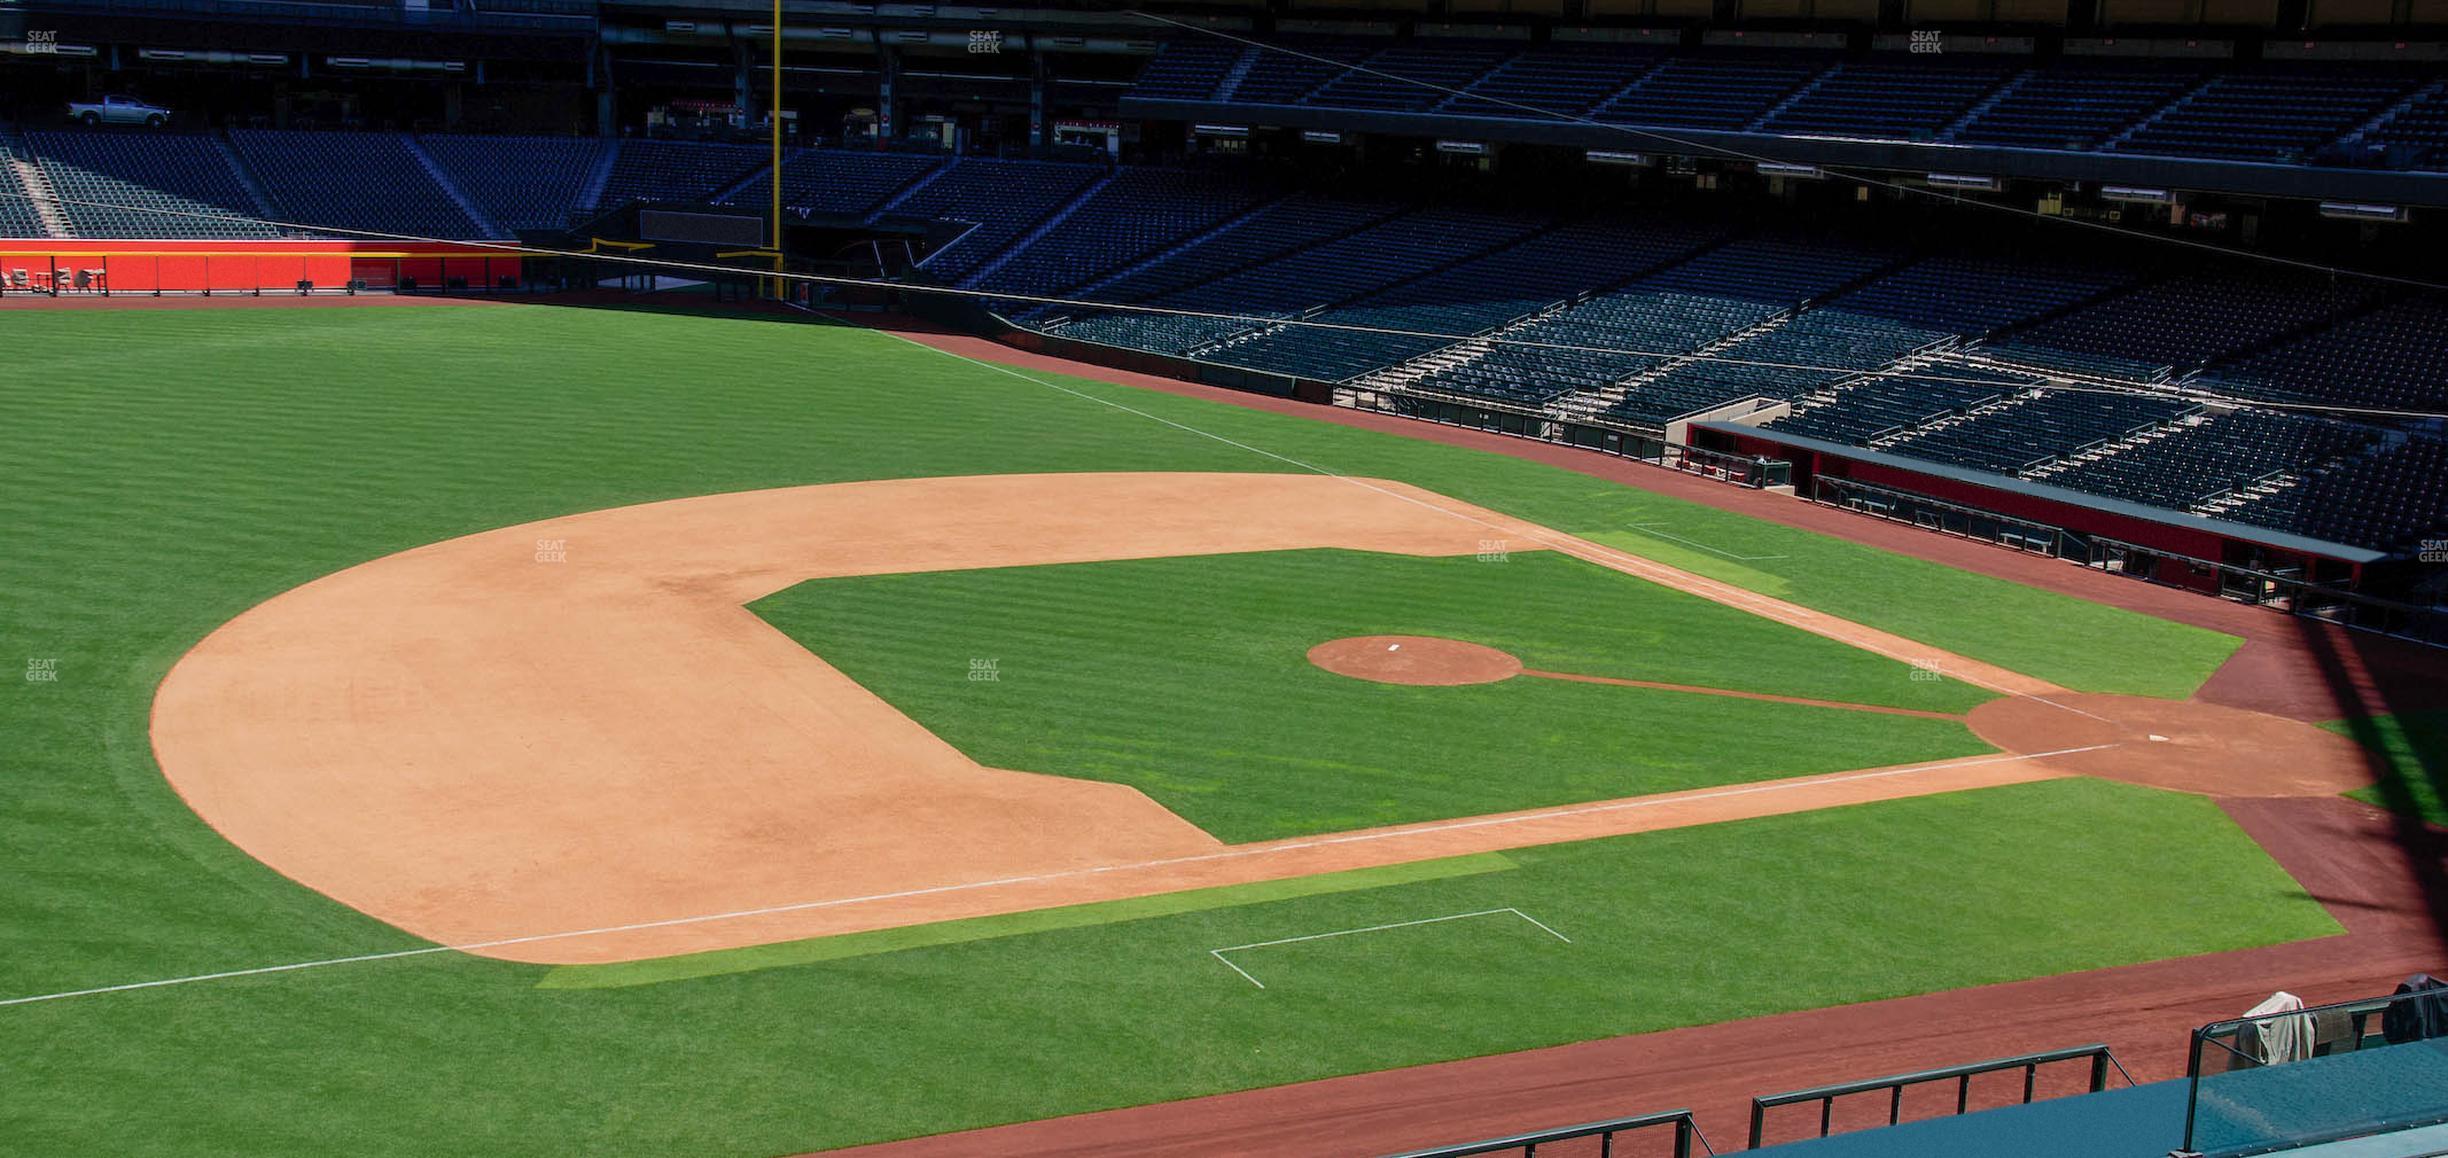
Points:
[1686,1133]
[1961,1075]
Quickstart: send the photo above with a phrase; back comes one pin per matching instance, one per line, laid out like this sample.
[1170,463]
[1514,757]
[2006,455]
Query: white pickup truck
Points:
[119,110]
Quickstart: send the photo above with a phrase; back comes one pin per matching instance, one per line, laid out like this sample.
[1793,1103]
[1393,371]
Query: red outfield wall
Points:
[242,266]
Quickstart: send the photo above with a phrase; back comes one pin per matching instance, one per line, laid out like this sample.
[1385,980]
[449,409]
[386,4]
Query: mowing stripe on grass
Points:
[849,945]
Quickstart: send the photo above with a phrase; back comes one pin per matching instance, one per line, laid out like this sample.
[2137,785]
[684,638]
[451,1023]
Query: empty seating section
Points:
[114,184]
[2029,430]
[1564,81]
[1972,296]
[837,182]
[1283,227]
[2416,136]
[388,190]
[2389,358]
[1710,92]
[1137,213]
[1640,320]
[1187,70]
[2280,113]
[1812,349]
[677,171]
[2390,498]
[1282,78]
[1408,78]
[1815,349]
[2277,115]
[2182,323]
[1465,298]
[1673,311]
[520,182]
[1001,200]
[2074,106]
[1345,268]
[2213,455]
[1904,99]
[17,215]
[1873,408]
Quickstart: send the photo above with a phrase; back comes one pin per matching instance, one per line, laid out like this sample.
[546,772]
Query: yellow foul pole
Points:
[777,146]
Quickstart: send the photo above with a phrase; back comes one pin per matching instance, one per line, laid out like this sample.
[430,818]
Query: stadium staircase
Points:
[2218,505]
[1233,76]
[907,191]
[246,179]
[2417,97]
[1405,375]
[1037,231]
[1088,289]
[2179,101]
[600,179]
[2133,443]
[1585,404]
[1904,438]
[726,194]
[2282,481]
[1793,98]
[1981,107]
[485,224]
[40,197]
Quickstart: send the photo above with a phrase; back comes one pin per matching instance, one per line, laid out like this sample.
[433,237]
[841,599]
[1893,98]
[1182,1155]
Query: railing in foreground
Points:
[1961,1075]
[2320,1074]
[1686,1133]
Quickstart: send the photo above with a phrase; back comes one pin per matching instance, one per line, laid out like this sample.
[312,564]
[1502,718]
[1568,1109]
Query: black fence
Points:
[1894,1087]
[1685,1135]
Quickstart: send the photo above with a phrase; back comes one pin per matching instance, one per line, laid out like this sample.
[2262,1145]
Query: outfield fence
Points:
[76,269]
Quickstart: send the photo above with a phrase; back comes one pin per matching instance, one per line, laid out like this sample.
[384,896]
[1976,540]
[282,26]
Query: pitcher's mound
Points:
[1414,659]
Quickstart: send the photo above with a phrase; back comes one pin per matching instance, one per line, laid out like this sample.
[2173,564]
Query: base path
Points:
[571,742]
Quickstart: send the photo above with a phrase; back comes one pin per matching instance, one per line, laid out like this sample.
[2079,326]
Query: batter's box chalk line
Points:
[1219,954]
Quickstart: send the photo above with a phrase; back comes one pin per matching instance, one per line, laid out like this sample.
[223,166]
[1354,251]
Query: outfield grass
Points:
[1188,679]
[455,1055]
[166,470]
[2411,749]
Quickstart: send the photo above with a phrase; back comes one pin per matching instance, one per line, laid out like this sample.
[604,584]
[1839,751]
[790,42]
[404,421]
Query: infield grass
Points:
[166,470]
[1188,679]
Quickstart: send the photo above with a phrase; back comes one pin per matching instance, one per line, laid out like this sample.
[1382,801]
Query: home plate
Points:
[2156,738]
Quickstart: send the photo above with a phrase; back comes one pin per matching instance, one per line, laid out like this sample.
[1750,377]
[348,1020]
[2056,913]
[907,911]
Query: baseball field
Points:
[515,729]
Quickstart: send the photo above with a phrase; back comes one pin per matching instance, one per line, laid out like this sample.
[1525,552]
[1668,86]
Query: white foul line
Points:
[1715,591]
[1651,529]
[1730,595]
[1219,954]
[1581,549]
[1040,878]
[2070,708]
